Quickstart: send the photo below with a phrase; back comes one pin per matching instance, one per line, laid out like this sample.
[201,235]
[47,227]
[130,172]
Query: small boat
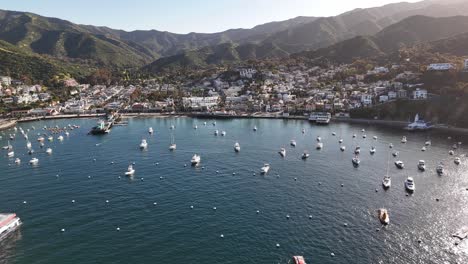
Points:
[293,143]
[40,139]
[395,154]
[423,149]
[41,144]
[305,155]
[457,161]
[342,148]
[356,161]
[404,140]
[265,168]
[455,146]
[333,134]
[422,165]
[364,136]
[375,137]
[31,151]
[60,138]
[28,145]
[282,152]
[50,138]
[17,161]
[303,131]
[67,134]
[172,127]
[354,135]
[357,150]
[214,123]
[255,128]
[451,152]
[204,123]
[440,169]
[372,150]
[387,182]
[340,141]
[319,139]
[390,145]
[150,131]
[319,146]
[223,133]
[48,151]
[383,216]
[237,147]
[11,154]
[299,260]
[216,132]
[195,127]
[34,161]
[143,144]
[195,159]
[130,171]
[363,130]
[428,143]
[173,145]
[399,164]
[409,184]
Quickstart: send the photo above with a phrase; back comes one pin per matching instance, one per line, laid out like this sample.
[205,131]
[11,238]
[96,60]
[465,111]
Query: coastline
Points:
[6,124]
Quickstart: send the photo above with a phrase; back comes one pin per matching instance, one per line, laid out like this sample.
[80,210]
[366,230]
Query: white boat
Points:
[451,152]
[195,159]
[357,150]
[60,138]
[364,136]
[333,133]
[237,147]
[375,137]
[440,169]
[419,125]
[422,165]
[29,145]
[11,154]
[342,148]
[195,127]
[40,139]
[457,161]
[404,140]
[293,143]
[340,141]
[130,171]
[204,123]
[143,144]
[410,185]
[390,145]
[150,131]
[372,150]
[8,224]
[223,133]
[265,168]
[319,139]
[395,154]
[399,164]
[305,155]
[303,131]
[31,151]
[41,144]
[48,151]
[423,149]
[387,182]
[428,143]
[356,161]
[216,132]
[34,161]
[173,145]
[354,135]
[67,134]
[319,145]
[172,127]
[363,130]
[50,138]
[214,123]
[282,152]
[383,216]
[17,161]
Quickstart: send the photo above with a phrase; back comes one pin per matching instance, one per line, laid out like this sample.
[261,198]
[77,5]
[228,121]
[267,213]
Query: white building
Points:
[383,98]
[198,102]
[420,94]
[440,67]
[366,99]
[5,80]
[465,66]
[247,73]
[392,95]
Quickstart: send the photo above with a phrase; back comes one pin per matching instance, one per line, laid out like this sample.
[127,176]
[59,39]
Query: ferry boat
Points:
[320,117]
[8,223]
[419,125]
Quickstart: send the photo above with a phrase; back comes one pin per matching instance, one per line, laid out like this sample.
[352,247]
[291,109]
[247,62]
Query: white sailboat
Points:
[130,170]
[195,159]
[173,145]
[49,151]
[282,152]
[237,147]
[143,144]
[150,131]
[265,168]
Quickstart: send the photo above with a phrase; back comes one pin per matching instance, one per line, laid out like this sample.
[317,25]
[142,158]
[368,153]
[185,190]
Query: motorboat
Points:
[60,138]
[387,182]
[303,131]
[172,127]
[333,133]
[40,139]
[363,130]
[34,161]
[41,145]
[223,133]
[399,164]
[364,136]
[204,123]
[357,150]
[340,141]
[409,184]
[293,143]
[383,216]
[390,145]
[195,159]
[31,151]
[356,161]
[427,143]
[216,132]
[282,152]
[305,155]
[214,123]
[11,153]
[457,161]
[195,127]
[67,134]
[342,148]
[395,154]
[319,146]
[48,151]
[130,170]
[143,144]
[423,149]
[404,140]
[354,135]
[28,145]
[372,150]
[150,131]
[237,147]
[319,139]
[255,128]
[375,137]
[17,161]
[451,152]
[265,168]
[50,138]
[440,169]
[422,165]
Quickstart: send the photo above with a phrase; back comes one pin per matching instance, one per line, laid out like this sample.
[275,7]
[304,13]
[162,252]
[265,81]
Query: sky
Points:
[183,16]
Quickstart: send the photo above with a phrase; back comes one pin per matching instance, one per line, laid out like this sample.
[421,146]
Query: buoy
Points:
[254,174]
[155,203]
[222,236]
[277,245]
[73,201]
[118,228]
[62,230]
[202,168]
[191,207]
[287,216]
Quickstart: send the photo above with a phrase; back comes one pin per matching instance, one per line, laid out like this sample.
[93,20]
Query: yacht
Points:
[372,150]
[60,138]
[130,171]
[143,144]
[356,161]
[150,131]
[399,164]
[422,165]
[282,152]
[319,145]
[237,147]
[419,125]
[223,133]
[409,184]
[48,151]
[457,161]
[293,143]
[387,182]
[216,132]
[305,155]
[265,168]
[34,161]
[404,140]
[17,161]
[440,169]
[383,216]
[395,154]
[195,159]
[342,148]
[255,128]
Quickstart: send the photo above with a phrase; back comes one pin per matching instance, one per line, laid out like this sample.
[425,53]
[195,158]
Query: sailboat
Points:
[173,145]
[237,147]
[387,181]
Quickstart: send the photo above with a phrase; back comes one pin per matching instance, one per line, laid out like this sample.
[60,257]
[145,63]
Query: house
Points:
[392,95]
[366,99]
[465,65]
[18,113]
[200,102]
[5,80]
[420,94]
[440,67]
[402,93]
[383,98]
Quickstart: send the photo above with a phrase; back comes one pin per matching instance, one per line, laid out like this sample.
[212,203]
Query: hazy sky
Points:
[182,16]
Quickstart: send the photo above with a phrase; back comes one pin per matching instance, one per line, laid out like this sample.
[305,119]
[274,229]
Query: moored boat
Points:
[8,223]
[383,216]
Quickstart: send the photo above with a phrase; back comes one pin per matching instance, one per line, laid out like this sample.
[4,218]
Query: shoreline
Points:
[6,124]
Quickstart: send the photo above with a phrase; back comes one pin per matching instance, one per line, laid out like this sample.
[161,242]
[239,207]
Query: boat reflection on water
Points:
[8,246]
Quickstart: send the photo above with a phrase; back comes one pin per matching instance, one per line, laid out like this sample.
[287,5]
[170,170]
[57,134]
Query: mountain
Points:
[410,31]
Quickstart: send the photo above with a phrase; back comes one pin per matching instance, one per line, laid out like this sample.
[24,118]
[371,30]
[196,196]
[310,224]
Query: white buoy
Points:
[73,201]
[118,228]
[62,230]
[191,207]
[277,245]
[222,236]
[25,202]
[155,203]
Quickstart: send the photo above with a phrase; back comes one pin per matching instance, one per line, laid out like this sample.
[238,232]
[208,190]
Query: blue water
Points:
[171,232]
